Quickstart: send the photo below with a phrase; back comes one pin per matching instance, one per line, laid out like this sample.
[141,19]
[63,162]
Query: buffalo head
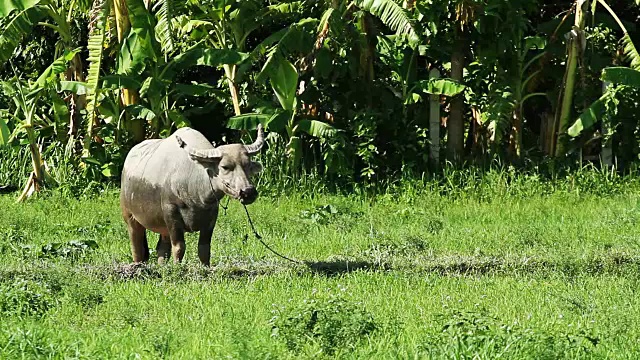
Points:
[230,167]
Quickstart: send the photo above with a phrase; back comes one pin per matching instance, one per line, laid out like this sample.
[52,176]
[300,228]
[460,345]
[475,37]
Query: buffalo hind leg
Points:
[175,226]
[163,248]
[138,237]
[177,244]
[204,246]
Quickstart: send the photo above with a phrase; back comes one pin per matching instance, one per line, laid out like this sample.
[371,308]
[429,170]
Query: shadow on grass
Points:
[333,268]
[619,264]
[233,270]
[8,189]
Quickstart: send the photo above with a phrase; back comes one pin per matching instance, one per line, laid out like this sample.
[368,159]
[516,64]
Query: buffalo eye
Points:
[227,167]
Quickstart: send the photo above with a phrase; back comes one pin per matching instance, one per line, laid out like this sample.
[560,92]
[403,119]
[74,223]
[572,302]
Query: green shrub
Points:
[331,322]
[477,335]
[25,298]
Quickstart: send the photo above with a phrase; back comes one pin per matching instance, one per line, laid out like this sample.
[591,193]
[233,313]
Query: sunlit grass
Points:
[551,274]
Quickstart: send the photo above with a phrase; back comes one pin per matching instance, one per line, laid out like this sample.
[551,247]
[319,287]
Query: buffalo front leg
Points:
[204,246]
[138,237]
[163,248]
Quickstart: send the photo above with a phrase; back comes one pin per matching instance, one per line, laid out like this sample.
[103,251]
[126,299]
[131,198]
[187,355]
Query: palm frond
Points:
[97,36]
[317,128]
[631,52]
[20,26]
[7,7]
[392,15]
[166,11]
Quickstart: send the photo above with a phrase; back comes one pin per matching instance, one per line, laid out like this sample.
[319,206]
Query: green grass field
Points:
[387,277]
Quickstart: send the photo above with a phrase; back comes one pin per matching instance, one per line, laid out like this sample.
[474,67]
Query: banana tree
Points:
[283,77]
[617,76]
[160,95]
[504,114]
[57,15]
[576,42]
[28,118]
[223,24]
[297,42]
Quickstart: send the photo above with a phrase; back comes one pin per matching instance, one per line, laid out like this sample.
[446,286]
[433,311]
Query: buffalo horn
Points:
[204,155]
[201,155]
[257,145]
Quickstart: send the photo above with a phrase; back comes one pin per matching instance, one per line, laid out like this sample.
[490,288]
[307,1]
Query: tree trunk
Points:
[230,72]
[128,96]
[455,124]
[434,123]
[368,53]
[36,179]
[576,45]
[607,134]
[78,102]
[515,140]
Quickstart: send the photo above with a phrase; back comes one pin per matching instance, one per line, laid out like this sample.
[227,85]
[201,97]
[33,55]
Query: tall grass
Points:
[15,166]
[485,183]
[69,177]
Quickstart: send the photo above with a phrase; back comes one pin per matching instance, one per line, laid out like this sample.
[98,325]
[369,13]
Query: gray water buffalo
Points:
[175,185]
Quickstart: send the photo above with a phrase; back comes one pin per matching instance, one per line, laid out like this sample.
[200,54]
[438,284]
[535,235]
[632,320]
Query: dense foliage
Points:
[356,91]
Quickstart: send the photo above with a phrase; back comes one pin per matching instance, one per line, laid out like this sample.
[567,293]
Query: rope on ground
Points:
[253,228]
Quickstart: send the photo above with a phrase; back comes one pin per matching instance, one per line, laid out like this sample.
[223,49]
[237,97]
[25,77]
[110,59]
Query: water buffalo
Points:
[175,185]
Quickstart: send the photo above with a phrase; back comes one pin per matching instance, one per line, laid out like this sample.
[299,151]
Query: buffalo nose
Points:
[248,195]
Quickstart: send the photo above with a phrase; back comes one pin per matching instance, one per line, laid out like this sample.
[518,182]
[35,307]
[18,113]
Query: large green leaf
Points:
[244,19]
[178,119]
[203,57]
[535,43]
[247,121]
[7,6]
[288,7]
[154,88]
[258,51]
[120,82]
[57,67]
[20,26]
[140,46]
[4,132]
[138,111]
[588,118]
[392,15]
[444,87]
[299,38]
[316,128]
[279,120]
[284,81]
[622,76]
[76,87]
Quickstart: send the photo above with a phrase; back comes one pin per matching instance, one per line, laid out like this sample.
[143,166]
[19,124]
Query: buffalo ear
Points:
[255,167]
